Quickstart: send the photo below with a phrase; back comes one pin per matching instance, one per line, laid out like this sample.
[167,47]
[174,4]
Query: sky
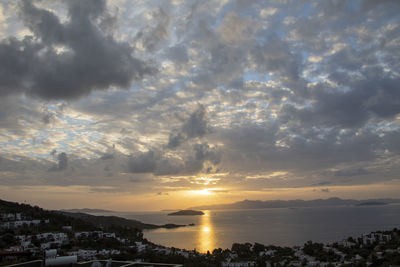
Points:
[149,105]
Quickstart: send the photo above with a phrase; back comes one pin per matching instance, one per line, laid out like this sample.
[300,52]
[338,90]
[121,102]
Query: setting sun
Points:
[204,192]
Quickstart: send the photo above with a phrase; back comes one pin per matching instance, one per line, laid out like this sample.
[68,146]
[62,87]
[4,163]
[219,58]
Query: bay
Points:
[275,226]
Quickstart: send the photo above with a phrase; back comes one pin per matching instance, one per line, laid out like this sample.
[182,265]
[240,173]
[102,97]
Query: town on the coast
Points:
[31,236]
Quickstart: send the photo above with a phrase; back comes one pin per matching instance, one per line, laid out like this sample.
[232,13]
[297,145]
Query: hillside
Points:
[57,219]
[79,221]
[107,221]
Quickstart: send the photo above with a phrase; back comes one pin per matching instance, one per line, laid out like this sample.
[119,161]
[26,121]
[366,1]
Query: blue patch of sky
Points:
[20,144]
[223,88]
[304,56]
[13,143]
[77,121]
[353,41]
[353,6]
[277,27]
[256,76]
[134,88]
[306,10]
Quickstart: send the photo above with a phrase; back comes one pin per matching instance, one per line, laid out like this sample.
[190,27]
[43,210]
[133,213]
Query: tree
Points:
[257,248]
[242,250]
[9,239]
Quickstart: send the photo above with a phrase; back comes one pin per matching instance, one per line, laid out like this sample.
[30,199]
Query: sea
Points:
[273,226]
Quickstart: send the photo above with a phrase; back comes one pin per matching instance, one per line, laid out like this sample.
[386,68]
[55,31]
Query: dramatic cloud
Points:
[194,126]
[242,97]
[62,162]
[67,60]
[142,163]
[351,172]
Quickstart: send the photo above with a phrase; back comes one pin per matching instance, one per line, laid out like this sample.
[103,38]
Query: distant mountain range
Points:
[259,204]
[86,210]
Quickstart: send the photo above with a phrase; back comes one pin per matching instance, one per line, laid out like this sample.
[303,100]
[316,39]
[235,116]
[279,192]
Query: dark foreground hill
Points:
[107,221]
[57,219]
[79,221]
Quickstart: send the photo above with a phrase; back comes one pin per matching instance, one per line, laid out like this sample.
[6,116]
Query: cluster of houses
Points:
[299,257]
[90,254]
[48,241]
[39,243]
[15,220]
[374,238]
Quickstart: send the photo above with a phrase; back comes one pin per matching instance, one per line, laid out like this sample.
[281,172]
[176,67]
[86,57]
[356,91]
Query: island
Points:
[186,213]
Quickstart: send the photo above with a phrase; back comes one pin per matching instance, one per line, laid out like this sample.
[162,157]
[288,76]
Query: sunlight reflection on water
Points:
[206,235]
[282,227]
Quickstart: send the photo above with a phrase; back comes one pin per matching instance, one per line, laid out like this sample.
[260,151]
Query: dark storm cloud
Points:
[15,113]
[270,148]
[157,163]
[205,152]
[153,35]
[370,4]
[202,153]
[62,162]
[13,165]
[47,118]
[392,141]
[107,156]
[66,60]
[194,126]
[143,162]
[374,96]
[178,54]
[324,183]
[175,139]
[351,172]
[274,55]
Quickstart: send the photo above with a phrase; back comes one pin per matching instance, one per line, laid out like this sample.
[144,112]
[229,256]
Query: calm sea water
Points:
[280,226]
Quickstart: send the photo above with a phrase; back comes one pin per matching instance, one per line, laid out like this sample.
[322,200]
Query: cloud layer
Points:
[161,96]
[67,60]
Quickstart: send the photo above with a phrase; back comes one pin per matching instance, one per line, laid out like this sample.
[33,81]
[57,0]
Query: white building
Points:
[109,235]
[81,234]
[386,237]
[239,264]
[67,228]
[185,254]
[108,252]
[267,253]
[11,216]
[347,244]
[86,254]
[20,223]
[140,246]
